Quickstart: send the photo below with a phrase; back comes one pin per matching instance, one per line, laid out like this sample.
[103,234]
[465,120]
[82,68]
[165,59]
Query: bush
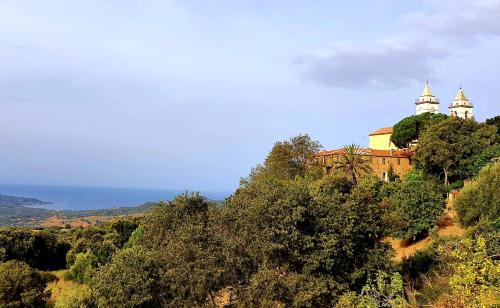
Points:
[417,206]
[84,268]
[21,285]
[41,250]
[385,290]
[475,280]
[134,278]
[481,199]
[79,296]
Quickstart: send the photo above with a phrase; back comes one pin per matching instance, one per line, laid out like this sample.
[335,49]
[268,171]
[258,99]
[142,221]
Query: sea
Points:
[92,198]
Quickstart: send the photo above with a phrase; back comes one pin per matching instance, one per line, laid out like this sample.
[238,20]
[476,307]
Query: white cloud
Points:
[445,29]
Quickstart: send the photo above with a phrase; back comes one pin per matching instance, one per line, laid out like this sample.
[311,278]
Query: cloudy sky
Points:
[192,94]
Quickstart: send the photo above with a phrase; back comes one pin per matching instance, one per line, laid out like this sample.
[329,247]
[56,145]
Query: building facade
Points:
[461,106]
[381,161]
[381,139]
[427,102]
[382,153]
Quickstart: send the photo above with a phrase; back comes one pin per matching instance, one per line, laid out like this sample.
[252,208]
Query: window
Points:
[383,160]
[399,161]
[466,114]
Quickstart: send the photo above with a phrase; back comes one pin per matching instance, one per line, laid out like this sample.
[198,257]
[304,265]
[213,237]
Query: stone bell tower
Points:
[461,106]
[427,102]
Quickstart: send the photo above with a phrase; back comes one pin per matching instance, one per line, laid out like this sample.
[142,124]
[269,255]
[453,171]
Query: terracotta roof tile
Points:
[382,131]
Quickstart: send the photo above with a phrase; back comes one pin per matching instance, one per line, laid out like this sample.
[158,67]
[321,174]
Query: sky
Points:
[193,94]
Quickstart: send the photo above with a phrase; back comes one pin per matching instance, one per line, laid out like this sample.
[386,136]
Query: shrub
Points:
[481,199]
[476,276]
[83,268]
[79,296]
[385,290]
[417,205]
[133,279]
[21,285]
[41,250]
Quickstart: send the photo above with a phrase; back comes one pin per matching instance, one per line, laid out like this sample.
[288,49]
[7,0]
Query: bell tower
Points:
[461,106]
[427,102]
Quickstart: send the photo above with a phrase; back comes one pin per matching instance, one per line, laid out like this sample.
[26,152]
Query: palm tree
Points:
[353,162]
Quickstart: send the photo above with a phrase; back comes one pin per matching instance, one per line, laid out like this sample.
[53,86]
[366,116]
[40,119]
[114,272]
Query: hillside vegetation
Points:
[289,236]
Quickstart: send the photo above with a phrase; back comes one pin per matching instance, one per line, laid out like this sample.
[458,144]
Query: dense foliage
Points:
[417,205]
[481,200]
[410,128]
[41,250]
[21,285]
[451,147]
[288,236]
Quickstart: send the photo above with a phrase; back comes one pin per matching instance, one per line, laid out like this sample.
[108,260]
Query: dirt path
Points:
[448,226]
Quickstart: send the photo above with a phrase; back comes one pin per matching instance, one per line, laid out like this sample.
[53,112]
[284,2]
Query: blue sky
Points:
[192,94]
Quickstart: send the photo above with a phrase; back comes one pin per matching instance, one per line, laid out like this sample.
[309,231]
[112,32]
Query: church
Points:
[383,154]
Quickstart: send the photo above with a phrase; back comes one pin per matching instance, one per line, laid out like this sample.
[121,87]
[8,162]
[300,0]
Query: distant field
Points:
[22,216]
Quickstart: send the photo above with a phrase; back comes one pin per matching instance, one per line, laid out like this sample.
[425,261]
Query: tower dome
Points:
[427,102]
[461,106]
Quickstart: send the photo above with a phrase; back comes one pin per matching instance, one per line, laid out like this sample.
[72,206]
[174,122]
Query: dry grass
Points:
[447,226]
[58,221]
[60,286]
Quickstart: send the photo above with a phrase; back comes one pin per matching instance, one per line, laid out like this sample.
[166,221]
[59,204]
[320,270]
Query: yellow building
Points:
[381,139]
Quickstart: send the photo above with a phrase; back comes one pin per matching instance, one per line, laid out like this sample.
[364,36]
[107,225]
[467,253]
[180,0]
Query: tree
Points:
[83,268]
[21,285]
[134,278]
[289,159]
[385,290]
[475,276]
[410,128]
[302,244]
[481,199]
[495,121]
[450,147]
[405,131]
[417,205]
[353,162]
[40,249]
[186,234]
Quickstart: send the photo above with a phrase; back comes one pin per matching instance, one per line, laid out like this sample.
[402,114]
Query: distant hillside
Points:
[18,215]
[14,201]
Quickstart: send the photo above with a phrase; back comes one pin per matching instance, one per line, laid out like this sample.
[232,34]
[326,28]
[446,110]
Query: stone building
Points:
[381,161]
[383,154]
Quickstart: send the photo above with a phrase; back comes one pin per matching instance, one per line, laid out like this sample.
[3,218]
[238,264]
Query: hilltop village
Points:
[384,155]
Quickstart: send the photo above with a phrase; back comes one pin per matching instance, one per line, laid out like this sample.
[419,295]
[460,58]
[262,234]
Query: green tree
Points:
[385,290]
[84,267]
[405,131]
[289,158]
[475,276]
[186,234]
[21,285]
[450,147]
[40,249]
[410,128]
[481,199]
[134,278]
[495,121]
[417,205]
[353,162]
[300,243]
